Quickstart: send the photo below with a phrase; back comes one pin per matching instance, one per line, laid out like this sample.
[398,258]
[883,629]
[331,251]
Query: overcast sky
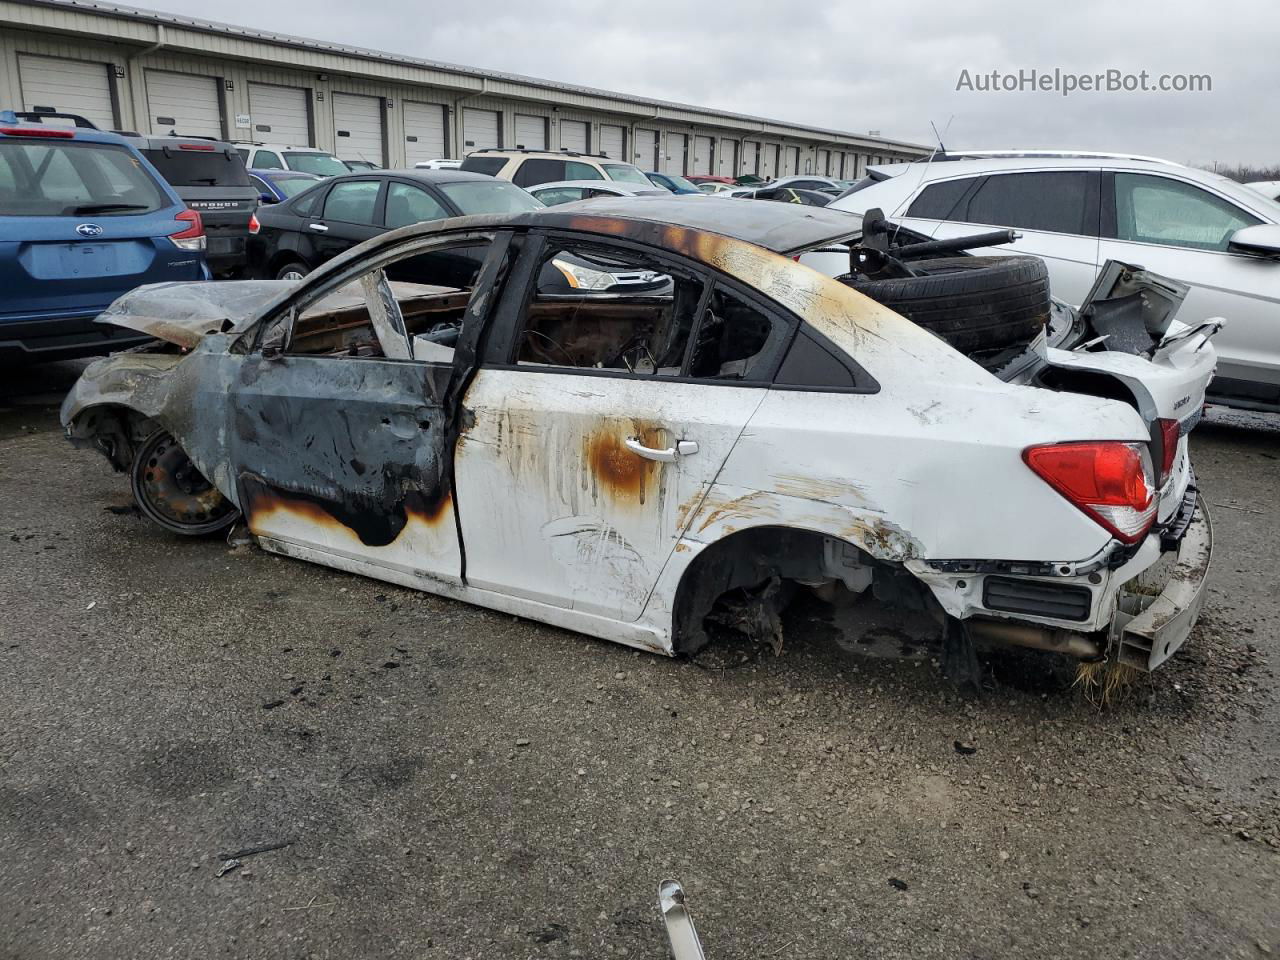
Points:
[888,66]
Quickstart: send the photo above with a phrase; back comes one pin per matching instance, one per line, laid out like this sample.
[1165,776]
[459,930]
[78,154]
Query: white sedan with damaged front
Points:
[637,418]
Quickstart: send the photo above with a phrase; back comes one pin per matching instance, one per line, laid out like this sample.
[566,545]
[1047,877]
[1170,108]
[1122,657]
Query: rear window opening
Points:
[67,178]
[321,164]
[198,168]
[489,166]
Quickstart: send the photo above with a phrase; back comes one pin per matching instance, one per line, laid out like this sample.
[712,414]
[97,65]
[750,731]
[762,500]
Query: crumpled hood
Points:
[183,313]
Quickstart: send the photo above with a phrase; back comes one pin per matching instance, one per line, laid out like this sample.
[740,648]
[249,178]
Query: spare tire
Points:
[976,304]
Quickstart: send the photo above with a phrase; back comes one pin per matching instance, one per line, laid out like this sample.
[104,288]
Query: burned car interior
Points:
[641,320]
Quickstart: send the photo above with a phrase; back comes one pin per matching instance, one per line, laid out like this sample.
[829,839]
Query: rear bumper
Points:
[224,253]
[1138,613]
[1150,626]
[62,338]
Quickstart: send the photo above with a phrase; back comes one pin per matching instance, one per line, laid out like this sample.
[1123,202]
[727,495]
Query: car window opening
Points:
[614,310]
[425,295]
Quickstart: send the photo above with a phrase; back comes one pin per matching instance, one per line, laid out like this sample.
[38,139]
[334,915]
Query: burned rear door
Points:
[341,424]
[605,407]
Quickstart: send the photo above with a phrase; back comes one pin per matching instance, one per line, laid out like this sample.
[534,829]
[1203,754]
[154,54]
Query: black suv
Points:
[210,176]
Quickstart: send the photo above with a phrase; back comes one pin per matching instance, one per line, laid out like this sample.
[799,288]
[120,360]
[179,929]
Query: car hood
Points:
[182,313]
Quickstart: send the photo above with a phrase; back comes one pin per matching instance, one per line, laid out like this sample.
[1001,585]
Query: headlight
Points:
[584,278]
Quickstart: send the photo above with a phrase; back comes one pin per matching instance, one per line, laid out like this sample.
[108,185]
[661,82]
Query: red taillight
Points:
[195,228]
[196,146]
[254,225]
[38,132]
[191,238]
[1109,480]
[1170,433]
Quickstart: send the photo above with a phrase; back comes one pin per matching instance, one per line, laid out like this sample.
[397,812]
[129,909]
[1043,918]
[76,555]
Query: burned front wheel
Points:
[172,492]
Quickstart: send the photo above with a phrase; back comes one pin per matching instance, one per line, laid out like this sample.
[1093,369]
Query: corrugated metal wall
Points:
[237,65]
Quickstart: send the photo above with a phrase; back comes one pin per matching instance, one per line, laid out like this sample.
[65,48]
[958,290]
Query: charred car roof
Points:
[778,227]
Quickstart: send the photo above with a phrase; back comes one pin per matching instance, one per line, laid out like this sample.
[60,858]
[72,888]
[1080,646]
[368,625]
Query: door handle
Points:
[318,227]
[683,448]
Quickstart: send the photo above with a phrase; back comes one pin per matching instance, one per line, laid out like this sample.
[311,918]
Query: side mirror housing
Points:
[1262,239]
[266,198]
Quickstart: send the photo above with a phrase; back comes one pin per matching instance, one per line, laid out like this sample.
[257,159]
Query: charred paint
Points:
[374,523]
[619,472]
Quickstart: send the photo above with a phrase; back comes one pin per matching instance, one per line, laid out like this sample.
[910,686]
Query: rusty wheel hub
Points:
[172,492]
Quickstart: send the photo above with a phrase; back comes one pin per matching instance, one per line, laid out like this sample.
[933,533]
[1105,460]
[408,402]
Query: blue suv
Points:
[84,218]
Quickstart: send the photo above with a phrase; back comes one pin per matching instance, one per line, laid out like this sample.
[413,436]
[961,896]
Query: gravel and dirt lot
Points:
[442,781]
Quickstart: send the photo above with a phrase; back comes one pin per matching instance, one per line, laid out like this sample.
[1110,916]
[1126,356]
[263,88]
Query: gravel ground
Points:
[452,782]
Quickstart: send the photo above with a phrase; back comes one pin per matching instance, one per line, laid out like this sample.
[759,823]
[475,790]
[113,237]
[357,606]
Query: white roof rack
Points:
[1082,154]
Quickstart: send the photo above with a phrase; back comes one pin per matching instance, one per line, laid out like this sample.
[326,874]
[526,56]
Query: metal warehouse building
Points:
[133,69]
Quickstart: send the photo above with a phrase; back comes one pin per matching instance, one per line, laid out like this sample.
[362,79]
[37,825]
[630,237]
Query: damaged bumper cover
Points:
[1149,627]
[1139,612]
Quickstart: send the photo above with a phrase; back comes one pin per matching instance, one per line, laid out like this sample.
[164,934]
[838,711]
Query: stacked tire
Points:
[976,304]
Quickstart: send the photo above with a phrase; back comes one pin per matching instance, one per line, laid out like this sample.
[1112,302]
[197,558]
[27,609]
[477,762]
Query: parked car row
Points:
[1075,212]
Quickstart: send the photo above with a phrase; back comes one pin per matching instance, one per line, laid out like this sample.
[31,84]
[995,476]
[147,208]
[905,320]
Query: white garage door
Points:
[823,167]
[750,156]
[424,137]
[613,141]
[66,86]
[279,114]
[647,149]
[480,129]
[677,147]
[531,132]
[769,161]
[790,161]
[573,136]
[703,155]
[727,158]
[185,102]
[357,127]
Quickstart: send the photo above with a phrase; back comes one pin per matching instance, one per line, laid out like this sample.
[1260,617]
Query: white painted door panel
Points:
[1072,261]
[677,147]
[769,161]
[357,127]
[66,86]
[279,114]
[481,129]
[423,132]
[183,102]
[703,155]
[613,141]
[531,132]
[647,150]
[573,136]
[727,158]
[553,504]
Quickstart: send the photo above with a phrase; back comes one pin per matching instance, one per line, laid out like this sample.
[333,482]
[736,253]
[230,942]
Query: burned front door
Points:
[341,427]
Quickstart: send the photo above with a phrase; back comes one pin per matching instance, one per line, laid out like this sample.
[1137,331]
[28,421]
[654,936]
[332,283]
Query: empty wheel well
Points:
[752,558]
[114,430]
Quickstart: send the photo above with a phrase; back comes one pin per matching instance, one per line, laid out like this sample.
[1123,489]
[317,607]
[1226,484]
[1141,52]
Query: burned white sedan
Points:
[618,418]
